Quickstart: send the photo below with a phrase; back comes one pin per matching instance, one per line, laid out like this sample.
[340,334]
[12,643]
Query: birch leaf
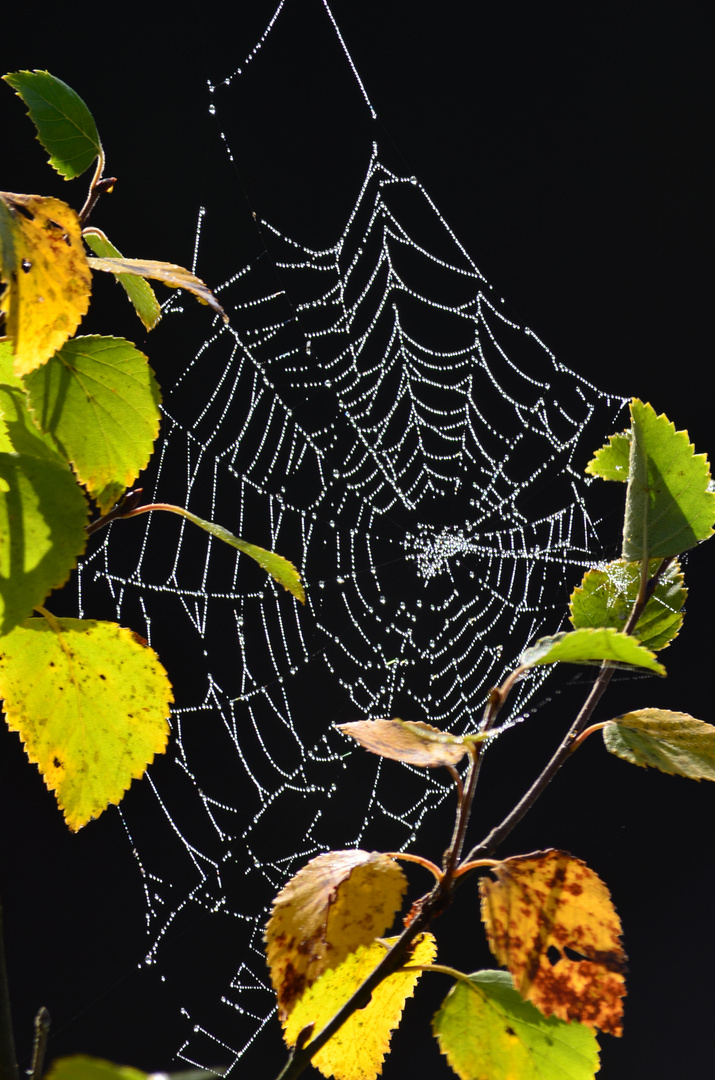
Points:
[137,289]
[98,401]
[47,279]
[340,900]
[669,507]
[588,646]
[673,742]
[607,594]
[415,742]
[486,1029]
[550,920]
[176,277]
[81,1067]
[357,1050]
[65,126]
[91,705]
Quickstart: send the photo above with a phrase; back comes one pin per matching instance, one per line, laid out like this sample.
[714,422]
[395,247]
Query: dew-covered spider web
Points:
[374,413]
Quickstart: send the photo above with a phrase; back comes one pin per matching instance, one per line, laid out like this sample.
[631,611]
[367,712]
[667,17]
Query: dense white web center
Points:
[373,414]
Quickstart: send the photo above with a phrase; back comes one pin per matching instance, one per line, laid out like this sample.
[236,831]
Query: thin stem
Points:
[8,1058]
[39,1045]
[426,863]
[98,185]
[573,739]
[123,508]
[585,734]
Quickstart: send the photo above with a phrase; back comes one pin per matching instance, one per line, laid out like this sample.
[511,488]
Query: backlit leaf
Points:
[611,461]
[280,569]
[340,900]
[416,743]
[137,289]
[65,126]
[98,401]
[669,507]
[22,436]
[177,277]
[91,705]
[81,1067]
[47,277]
[673,742]
[42,513]
[550,920]
[486,1029]
[587,646]
[358,1048]
[607,594]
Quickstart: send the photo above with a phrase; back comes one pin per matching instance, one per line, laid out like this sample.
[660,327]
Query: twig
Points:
[39,1044]
[8,1059]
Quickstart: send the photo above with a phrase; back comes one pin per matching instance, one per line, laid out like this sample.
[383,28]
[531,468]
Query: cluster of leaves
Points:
[79,416]
[341,986]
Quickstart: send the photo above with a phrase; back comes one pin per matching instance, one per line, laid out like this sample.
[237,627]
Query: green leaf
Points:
[65,126]
[98,400]
[670,741]
[607,594]
[176,277]
[280,569]
[669,507]
[611,461]
[42,519]
[90,703]
[137,289]
[590,646]
[485,1029]
[81,1067]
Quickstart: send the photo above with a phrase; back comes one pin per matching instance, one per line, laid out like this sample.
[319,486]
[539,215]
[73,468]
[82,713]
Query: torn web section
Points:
[375,414]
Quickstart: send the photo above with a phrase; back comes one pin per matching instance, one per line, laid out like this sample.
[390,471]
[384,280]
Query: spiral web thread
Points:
[380,419]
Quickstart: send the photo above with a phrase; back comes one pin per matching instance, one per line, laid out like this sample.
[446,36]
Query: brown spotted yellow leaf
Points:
[90,703]
[550,920]
[46,277]
[414,742]
[357,1050]
[340,900]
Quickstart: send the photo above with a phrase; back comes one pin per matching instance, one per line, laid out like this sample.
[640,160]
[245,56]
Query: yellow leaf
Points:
[47,279]
[340,900]
[542,907]
[91,705]
[358,1048]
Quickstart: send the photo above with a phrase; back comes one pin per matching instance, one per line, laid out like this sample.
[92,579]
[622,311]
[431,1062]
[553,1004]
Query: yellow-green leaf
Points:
[358,1048]
[340,900]
[137,289]
[611,461]
[673,742]
[607,594]
[551,901]
[176,277]
[588,646]
[98,401]
[81,1067]
[414,742]
[90,703]
[47,277]
[280,569]
[669,505]
[486,1029]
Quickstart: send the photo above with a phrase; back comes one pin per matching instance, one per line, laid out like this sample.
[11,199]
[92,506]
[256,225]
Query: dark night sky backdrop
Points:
[568,146]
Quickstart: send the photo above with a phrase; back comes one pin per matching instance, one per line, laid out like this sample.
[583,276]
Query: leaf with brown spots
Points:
[413,742]
[551,922]
[339,901]
[47,280]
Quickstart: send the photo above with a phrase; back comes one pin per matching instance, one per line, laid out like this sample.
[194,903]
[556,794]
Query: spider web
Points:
[374,413]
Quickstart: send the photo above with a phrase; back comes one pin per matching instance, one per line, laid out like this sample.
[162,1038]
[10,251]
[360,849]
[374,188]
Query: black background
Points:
[568,146]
